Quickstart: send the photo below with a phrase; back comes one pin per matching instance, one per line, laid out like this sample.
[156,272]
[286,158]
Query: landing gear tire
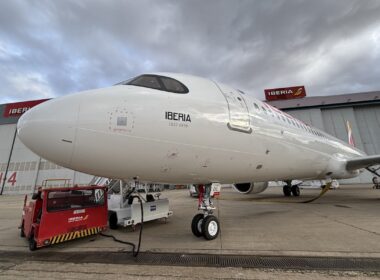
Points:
[210,227]
[196,225]
[113,221]
[295,190]
[32,243]
[287,190]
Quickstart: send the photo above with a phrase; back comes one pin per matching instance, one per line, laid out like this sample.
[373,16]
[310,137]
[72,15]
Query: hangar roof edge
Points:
[328,101]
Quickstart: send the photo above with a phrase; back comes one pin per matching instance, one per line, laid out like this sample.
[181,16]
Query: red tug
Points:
[56,215]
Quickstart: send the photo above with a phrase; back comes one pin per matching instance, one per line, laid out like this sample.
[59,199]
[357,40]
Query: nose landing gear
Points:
[205,224]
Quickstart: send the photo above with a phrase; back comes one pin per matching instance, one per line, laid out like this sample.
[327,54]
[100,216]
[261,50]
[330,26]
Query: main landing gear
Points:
[290,189]
[205,224]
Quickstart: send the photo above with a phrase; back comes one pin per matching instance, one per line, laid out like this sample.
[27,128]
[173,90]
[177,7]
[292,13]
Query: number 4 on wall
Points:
[11,180]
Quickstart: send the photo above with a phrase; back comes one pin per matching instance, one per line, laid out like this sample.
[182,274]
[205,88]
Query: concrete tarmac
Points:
[343,223]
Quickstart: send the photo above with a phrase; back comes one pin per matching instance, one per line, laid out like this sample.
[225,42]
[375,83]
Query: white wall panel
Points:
[369,126]
[6,137]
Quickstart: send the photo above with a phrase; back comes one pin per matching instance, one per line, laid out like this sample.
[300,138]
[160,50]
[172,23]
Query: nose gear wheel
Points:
[205,224]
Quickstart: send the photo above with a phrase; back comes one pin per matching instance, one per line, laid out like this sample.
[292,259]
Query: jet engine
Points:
[247,188]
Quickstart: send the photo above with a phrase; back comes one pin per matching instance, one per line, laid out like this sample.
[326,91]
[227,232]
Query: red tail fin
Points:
[351,140]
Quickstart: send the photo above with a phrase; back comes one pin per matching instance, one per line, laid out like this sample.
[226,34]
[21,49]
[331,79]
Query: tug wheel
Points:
[196,225]
[210,227]
[32,243]
[113,221]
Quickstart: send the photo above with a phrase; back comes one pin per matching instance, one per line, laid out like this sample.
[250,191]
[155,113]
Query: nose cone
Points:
[49,129]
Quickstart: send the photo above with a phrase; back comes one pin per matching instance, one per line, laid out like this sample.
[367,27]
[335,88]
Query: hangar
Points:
[21,169]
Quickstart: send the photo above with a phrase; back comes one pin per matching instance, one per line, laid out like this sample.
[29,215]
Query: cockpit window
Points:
[146,81]
[173,85]
[158,82]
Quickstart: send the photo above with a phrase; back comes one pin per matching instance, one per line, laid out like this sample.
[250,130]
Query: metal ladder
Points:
[104,182]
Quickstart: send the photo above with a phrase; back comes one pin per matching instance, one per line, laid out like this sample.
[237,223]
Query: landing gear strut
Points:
[290,189]
[205,224]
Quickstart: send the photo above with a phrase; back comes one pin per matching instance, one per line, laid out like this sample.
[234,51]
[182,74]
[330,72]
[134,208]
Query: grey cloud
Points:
[67,46]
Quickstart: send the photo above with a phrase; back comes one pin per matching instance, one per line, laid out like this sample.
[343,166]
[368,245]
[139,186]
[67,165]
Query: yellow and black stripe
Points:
[74,235]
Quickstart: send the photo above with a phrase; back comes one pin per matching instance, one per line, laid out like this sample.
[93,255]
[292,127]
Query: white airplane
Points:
[181,129]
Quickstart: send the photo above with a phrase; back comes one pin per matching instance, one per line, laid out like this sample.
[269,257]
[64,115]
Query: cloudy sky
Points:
[53,48]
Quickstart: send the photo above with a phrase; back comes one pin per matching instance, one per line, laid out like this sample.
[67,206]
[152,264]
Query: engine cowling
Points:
[247,188]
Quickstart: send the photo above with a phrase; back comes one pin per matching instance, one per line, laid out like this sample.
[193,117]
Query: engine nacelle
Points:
[247,188]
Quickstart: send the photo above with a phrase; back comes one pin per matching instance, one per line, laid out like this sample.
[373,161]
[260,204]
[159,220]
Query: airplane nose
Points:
[49,129]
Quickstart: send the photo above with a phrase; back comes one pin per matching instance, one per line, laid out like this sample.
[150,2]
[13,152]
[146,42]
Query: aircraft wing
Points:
[362,162]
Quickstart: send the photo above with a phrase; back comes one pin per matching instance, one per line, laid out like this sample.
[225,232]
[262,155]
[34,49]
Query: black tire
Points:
[287,190]
[196,225]
[112,220]
[32,243]
[210,227]
[296,191]
[376,184]
[22,234]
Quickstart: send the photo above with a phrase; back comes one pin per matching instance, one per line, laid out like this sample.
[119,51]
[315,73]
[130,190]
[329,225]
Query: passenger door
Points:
[239,119]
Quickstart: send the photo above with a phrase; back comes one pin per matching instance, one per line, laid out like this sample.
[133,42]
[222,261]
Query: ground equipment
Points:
[125,210]
[59,214]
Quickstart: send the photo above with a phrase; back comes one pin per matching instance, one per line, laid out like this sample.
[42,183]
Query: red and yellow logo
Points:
[298,92]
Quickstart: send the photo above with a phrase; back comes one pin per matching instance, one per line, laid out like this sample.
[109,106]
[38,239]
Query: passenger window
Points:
[256,106]
[264,109]
[148,81]
[173,85]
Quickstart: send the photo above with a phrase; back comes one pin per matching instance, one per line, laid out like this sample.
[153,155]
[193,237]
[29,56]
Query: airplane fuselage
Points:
[213,133]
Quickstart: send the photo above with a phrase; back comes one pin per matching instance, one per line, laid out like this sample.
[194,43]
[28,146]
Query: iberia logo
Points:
[298,92]
[285,93]
[77,219]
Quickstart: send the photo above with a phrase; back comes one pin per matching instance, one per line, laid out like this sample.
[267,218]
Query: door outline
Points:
[236,105]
